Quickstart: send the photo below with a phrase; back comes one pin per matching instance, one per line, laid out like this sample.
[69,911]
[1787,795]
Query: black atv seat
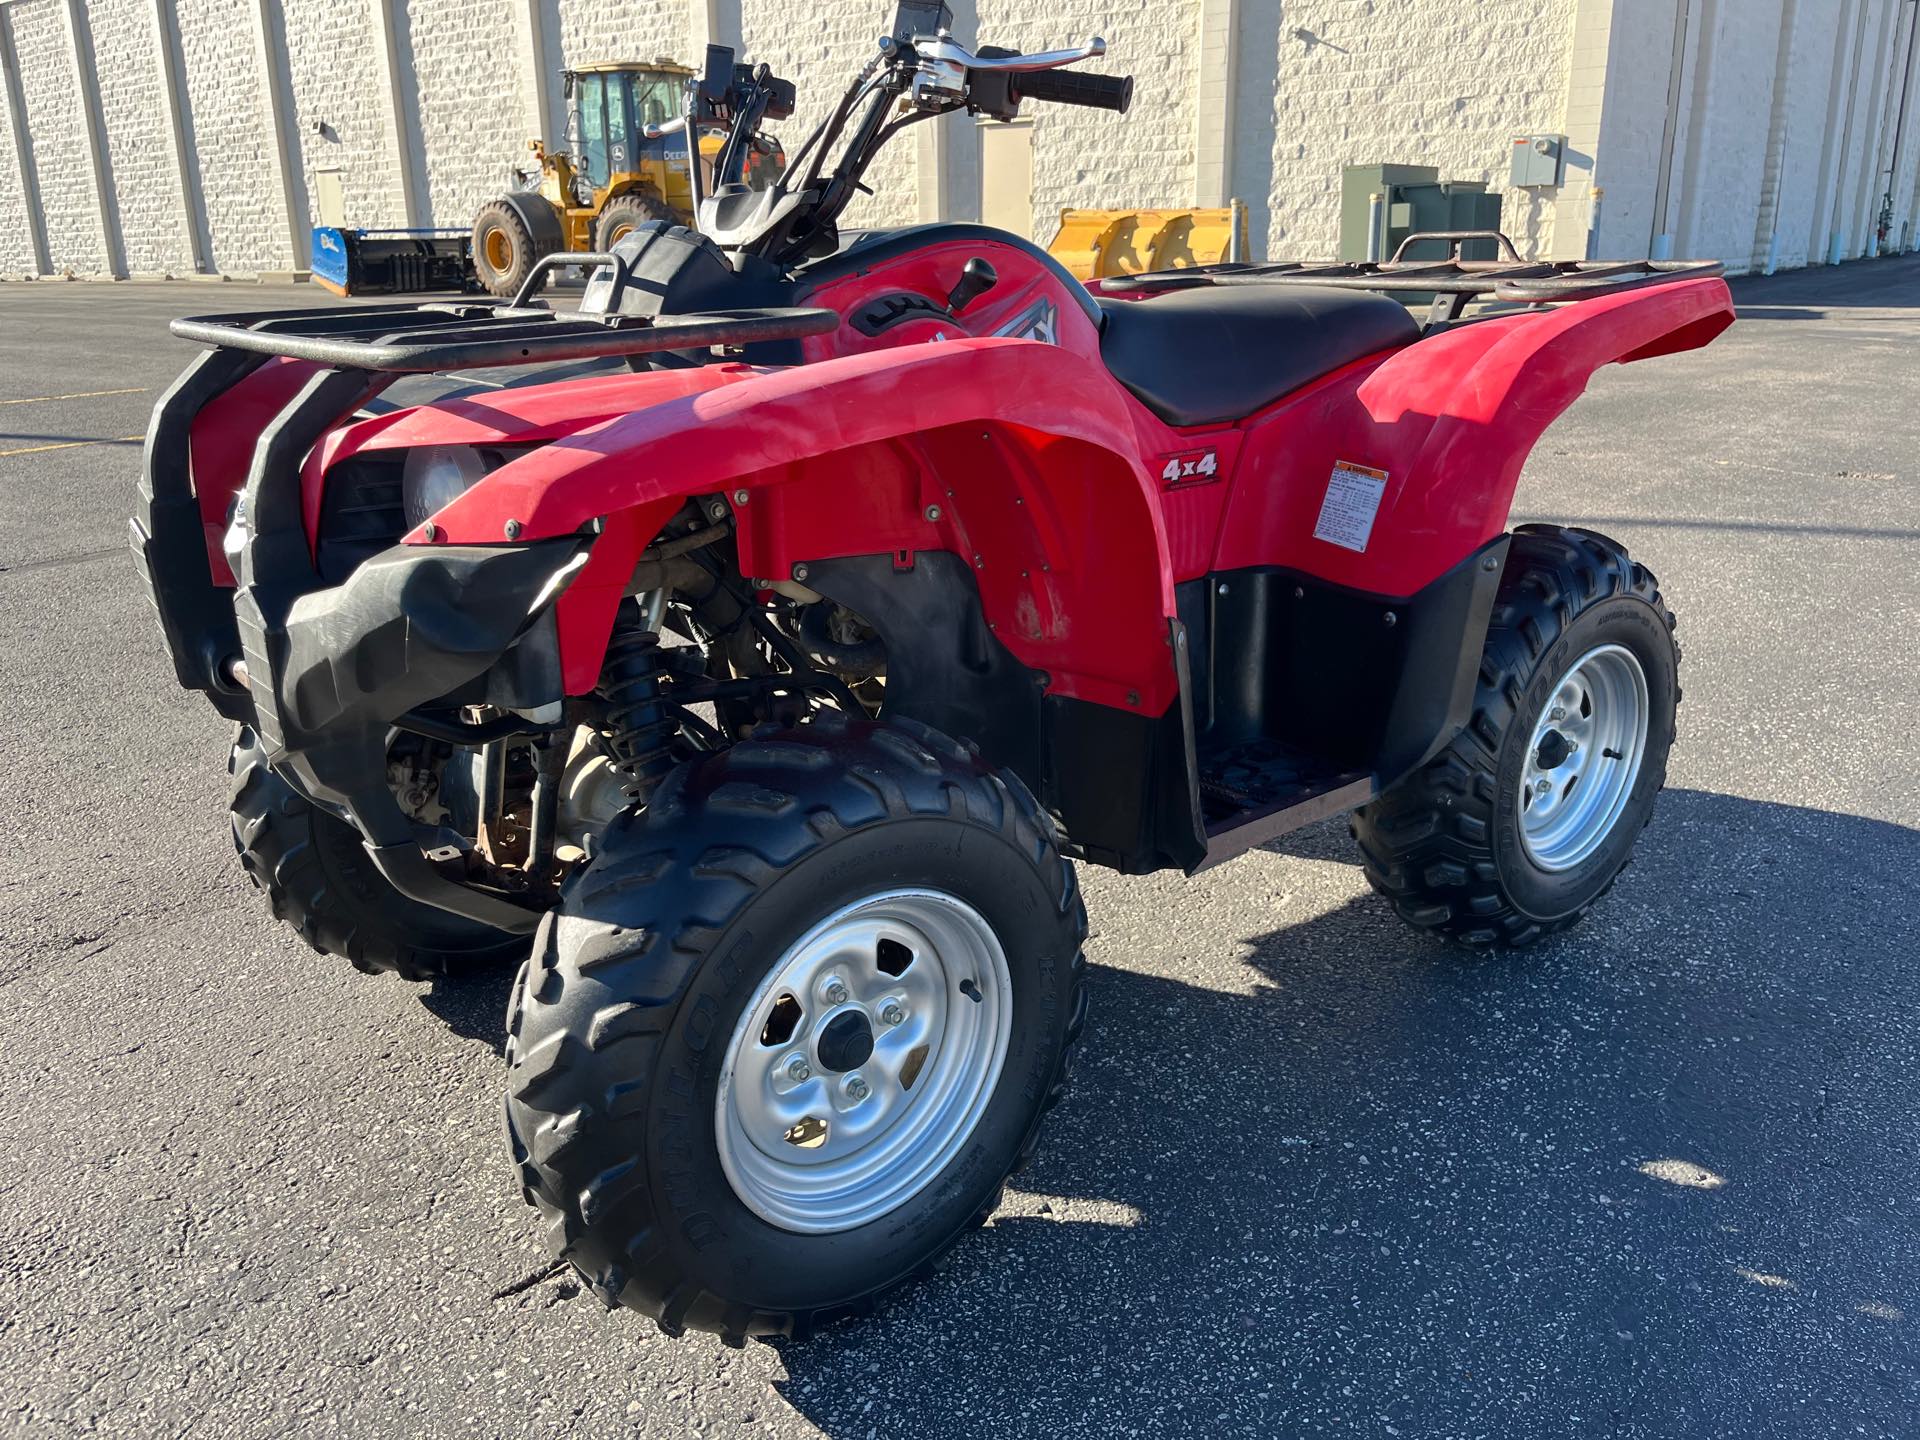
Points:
[1219,352]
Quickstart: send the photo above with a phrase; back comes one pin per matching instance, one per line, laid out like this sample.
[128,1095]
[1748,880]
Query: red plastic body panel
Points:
[1025,286]
[220,447]
[519,417]
[1451,420]
[1078,508]
[999,450]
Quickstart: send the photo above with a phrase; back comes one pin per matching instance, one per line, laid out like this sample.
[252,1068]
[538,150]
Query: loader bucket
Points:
[1096,244]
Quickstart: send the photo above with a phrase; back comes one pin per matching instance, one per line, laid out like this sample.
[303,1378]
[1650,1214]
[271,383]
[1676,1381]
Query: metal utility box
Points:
[1358,184]
[1414,198]
[1538,160]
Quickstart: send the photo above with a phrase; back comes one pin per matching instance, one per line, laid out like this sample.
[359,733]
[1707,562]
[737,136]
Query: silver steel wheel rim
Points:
[813,1146]
[1588,742]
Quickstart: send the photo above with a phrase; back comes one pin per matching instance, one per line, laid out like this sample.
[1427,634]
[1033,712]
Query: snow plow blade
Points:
[1095,244]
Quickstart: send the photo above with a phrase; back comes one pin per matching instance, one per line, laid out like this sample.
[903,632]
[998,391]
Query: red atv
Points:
[767,678]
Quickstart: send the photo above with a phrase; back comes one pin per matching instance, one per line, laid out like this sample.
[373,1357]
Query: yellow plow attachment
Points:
[1094,244]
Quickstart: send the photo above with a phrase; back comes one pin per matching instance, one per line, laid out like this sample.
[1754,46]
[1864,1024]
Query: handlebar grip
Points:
[1076,87]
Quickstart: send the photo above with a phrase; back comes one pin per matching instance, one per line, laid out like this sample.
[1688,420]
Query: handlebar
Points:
[1096,92]
[992,82]
[919,72]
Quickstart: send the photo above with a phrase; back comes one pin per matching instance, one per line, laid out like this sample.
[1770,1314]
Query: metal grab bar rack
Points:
[411,339]
[467,335]
[1452,281]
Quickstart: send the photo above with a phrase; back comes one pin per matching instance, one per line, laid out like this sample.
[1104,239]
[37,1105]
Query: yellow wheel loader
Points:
[611,177]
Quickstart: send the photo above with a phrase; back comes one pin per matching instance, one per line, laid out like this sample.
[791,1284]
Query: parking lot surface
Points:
[1317,1174]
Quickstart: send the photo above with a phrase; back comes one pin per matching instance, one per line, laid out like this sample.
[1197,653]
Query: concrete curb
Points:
[240,277]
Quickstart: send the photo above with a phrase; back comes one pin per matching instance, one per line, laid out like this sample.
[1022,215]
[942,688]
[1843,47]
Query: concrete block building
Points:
[148,137]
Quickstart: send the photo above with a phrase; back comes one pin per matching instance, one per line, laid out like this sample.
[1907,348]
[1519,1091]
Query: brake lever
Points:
[945,50]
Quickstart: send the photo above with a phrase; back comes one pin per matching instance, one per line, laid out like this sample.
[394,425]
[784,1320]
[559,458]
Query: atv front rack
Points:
[1451,283]
[460,335]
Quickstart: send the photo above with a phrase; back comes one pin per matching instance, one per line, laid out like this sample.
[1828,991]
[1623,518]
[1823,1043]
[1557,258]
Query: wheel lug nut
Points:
[1543,787]
[857,1088]
[798,1069]
[835,991]
[892,1014]
[1559,714]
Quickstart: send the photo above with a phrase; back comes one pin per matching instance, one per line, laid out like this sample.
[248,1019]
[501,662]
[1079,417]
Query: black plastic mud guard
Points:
[169,539]
[1369,682]
[1445,633]
[328,669]
[411,625]
[1122,784]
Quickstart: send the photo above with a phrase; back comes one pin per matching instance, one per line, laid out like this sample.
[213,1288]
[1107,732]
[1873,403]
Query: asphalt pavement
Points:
[1317,1175]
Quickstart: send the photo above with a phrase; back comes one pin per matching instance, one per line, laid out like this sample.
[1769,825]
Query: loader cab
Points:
[609,107]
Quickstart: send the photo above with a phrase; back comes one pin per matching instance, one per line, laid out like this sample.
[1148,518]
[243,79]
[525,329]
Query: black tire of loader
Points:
[620,1019]
[626,213]
[1442,844]
[498,217]
[317,878]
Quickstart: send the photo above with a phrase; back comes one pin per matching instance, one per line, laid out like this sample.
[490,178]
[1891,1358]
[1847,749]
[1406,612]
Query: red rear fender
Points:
[1450,420]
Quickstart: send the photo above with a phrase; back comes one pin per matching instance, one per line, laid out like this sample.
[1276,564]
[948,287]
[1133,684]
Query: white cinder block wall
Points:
[233,140]
[465,103]
[146,189]
[1094,157]
[1752,131]
[1327,83]
[334,59]
[51,101]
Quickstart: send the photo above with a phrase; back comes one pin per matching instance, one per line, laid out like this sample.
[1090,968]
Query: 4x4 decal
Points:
[1191,467]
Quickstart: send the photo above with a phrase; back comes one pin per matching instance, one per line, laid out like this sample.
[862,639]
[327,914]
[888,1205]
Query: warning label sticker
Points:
[1353,499]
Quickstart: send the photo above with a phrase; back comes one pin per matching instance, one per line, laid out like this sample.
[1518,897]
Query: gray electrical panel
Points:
[1538,160]
[1414,198]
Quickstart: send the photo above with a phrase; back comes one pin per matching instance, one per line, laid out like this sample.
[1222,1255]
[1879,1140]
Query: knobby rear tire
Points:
[1444,844]
[626,213]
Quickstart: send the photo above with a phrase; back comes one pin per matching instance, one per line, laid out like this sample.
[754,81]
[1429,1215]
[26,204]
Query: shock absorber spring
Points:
[640,728]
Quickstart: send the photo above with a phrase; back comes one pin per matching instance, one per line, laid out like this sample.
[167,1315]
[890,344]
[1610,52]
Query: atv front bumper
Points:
[324,673]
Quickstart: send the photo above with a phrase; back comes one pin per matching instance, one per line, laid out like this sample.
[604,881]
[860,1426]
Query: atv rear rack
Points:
[1451,282]
[461,335]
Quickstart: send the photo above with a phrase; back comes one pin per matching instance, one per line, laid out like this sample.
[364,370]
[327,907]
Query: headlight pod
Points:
[434,476]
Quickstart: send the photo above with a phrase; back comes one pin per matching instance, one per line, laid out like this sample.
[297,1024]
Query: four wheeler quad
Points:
[767,686]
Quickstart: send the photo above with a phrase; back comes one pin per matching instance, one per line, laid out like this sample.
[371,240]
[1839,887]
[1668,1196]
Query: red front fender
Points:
[1006,452]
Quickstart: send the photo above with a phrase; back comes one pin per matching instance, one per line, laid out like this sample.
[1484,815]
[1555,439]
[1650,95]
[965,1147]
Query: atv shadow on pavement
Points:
[1635,1181]
[473,1006]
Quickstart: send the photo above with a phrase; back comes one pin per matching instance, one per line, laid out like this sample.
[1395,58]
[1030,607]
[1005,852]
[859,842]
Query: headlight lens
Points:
[436,475]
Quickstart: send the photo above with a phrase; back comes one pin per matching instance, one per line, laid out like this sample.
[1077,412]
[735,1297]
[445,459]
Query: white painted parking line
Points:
[77,395]
[68,445]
